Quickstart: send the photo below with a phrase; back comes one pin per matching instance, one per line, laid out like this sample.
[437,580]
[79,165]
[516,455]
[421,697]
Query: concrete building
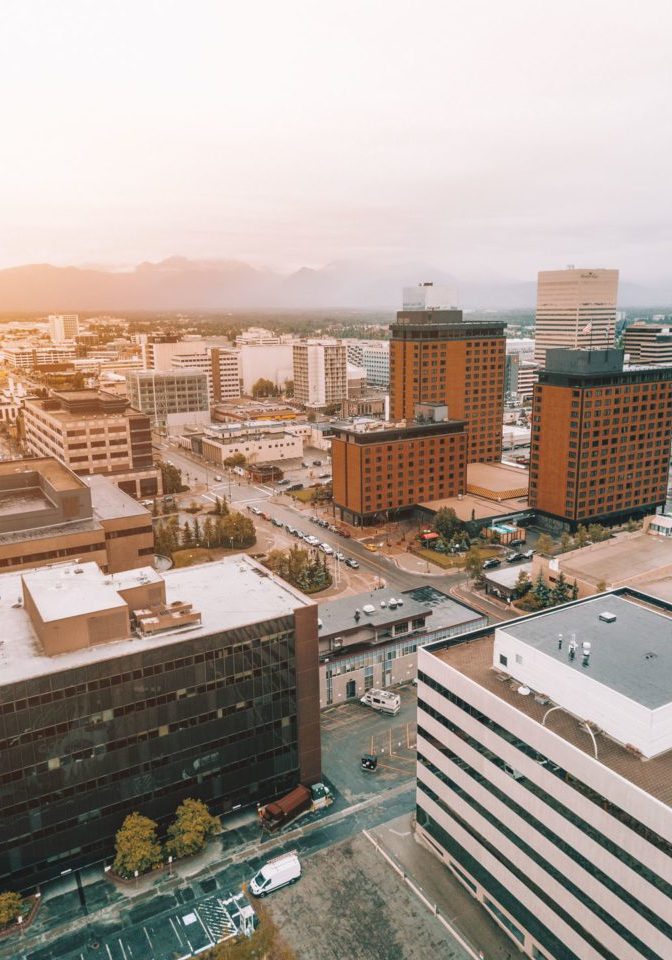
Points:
[374,356]
[94,432]
[371,639]
[544,750]
[25,356]
[320,373]
[389,470]
[63,327]
[136,691]
[601,434]
[215,358]
[520,372]
[48,514]
[256,446]
[172,401]
[430,296]
[647,343]
[268,361]
[438,357]
[576,308]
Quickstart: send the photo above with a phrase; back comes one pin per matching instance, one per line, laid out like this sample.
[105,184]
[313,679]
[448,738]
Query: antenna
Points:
[559,641]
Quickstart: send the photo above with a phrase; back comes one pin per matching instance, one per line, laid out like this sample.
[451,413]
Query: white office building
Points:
[430,296]
[172,400]
[374,356]
[545,775]
[63,327]
[576,309]
[320,373]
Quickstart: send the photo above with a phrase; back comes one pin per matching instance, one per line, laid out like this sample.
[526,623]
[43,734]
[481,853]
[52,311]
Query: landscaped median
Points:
[453,561]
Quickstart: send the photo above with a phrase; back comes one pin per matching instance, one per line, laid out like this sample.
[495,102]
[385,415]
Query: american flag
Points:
[587,329]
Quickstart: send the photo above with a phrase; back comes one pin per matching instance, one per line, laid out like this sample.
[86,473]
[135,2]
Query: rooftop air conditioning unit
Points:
[607,617]
[369,608]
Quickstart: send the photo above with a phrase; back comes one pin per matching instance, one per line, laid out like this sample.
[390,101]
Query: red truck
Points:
[299,800]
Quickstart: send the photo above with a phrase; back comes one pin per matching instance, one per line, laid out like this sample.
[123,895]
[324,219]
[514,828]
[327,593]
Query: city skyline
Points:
[488,142]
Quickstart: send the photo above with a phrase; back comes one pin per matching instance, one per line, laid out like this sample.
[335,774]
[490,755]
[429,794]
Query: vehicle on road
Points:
[218,478]
[317,463]
[518,542]
[313,541]
[299,800]
[295,486]
[515,558]
[255,510]
[282,483]
[324,476]
[382,700]
[325,548]
[492,562]
[276,522]
[339,555]
[351,562]
[344,533]
[275,874]
[528,554]
[372,547]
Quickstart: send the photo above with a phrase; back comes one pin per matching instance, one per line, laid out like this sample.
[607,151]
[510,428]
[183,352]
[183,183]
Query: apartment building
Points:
[601,433]
[576,308]
[374,357]
[136,691]
[94,432]
[438,357]
[648,343]
[170,400]
[63,326]
[320,373]
[544,753]
[385,472]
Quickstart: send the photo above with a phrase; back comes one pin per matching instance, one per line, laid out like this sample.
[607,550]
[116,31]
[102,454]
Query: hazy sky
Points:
[487,138]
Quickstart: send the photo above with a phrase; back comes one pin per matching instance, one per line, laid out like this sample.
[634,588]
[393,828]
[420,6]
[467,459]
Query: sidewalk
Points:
[438,885]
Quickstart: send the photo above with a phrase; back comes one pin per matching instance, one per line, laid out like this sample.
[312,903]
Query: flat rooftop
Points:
[474,658]
[229,593]
[338,616]
[26,500]
[109,502]
[497,481]
[54,472]
[446,612]
[472,507]
[618,560]
[632,655]
[507,575]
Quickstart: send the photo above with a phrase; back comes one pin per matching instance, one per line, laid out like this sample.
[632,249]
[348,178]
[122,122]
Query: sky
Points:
[490,139]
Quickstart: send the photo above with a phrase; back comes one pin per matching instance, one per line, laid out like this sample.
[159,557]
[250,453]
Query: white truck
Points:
[275,874]
[382,700]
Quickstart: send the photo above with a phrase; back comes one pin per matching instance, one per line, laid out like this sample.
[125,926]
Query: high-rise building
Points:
[544,772]
[171,400]
[94,432]
[136,691]
[575,309]
[438,357]
[430,296]
[374,356]
[320,373]
[384,472]
[63,326]
[601,433]
[648,343]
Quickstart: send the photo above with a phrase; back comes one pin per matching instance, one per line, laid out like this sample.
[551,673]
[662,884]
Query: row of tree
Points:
[305,570]
[137,846]
[539,595]
[231,529]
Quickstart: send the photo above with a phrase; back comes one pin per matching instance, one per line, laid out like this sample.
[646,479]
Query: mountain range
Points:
[179,283]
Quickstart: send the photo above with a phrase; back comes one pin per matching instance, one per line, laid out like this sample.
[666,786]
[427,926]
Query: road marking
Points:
[400,833]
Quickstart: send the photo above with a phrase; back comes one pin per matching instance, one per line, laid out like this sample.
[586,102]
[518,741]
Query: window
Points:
[504,661]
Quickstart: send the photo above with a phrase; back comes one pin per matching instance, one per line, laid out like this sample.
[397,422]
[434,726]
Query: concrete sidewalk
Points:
[438,885]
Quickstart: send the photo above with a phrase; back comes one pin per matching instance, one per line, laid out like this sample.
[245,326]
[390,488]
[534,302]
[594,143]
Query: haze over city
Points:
[485,141]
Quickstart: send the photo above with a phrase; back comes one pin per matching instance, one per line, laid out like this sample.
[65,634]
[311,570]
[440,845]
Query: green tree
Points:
[208,533]
[597,532]
[565,542]
[187,539]
[581,538]
[289,389]
[523,584]
[541,592]
[136,846]
[474,566]
[197,532]
[11,907]
[575,591]
[237,530]
[191,828]
[446,523]
[171,477]
[264,388]
[601,586]
[561,592]
[235,460]
[545,544]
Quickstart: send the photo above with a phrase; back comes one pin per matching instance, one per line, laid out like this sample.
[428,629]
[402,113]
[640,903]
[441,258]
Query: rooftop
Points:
[446,612]
[338,616]
[474,659]
[229,593]
[497,481]
[109,502]
[507,575]
[54,472]
[618,560]
[472,507]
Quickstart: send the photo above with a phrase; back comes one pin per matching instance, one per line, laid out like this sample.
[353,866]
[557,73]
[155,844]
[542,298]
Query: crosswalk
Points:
[217,919]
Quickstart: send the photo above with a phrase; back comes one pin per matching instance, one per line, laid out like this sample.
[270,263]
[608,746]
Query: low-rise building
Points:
[544,758]
[371,639]
[256,446]
[136,691]
[48,515]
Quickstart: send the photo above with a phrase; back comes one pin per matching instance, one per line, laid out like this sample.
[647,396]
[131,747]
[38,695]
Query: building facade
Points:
[94,432]
[320,373]
[575,309]
[171,400]
[374,356]
[648,343]
[601,432]
[379,472]
[63,326]
[438,357]
[138,691]
[544,753]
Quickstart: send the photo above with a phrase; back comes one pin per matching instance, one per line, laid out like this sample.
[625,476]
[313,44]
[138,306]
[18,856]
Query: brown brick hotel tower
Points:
[601,436]
[438,357]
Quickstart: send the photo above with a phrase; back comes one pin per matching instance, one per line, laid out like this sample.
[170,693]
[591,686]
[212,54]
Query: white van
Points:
[275,874]
[382,700]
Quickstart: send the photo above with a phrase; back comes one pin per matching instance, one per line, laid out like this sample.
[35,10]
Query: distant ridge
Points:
[179,283]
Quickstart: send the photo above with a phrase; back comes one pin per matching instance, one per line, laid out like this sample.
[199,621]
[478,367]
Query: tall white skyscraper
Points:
[320,373]
[63,326]
[575,309]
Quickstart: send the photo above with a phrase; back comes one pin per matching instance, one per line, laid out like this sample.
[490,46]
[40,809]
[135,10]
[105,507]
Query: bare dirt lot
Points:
[350,905]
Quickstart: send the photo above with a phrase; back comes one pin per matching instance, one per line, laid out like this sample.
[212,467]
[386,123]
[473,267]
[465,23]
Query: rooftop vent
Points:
[369,608]
[607,617]
[78,570]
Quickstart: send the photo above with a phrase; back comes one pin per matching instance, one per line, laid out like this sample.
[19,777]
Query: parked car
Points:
[515,543]
[325,548]
[492,562]
[351,562]
[339,556]
[218,478]
[313,541]
[282,483]
[528,554]
[515,558]
[344,533]
[317,463]
[324,476]
[276,522]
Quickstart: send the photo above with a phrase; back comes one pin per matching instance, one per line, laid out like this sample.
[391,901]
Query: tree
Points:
[545,544]
[597,532]
[171,477]
[264,388]
[523,584]
[197,532]
[446,523]
[191,828]
[187,539]
[575,591]
[289,389]
[581,538]
[208,533]
[136,846]
[235,530]
[601,586]
[11,907]
[561,592]
[235,460]
[474,566]
[541,592]
[565,542]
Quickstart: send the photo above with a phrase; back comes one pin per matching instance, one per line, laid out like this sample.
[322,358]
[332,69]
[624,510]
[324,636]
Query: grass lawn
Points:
[305,496]
[451,561]
[191,555]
